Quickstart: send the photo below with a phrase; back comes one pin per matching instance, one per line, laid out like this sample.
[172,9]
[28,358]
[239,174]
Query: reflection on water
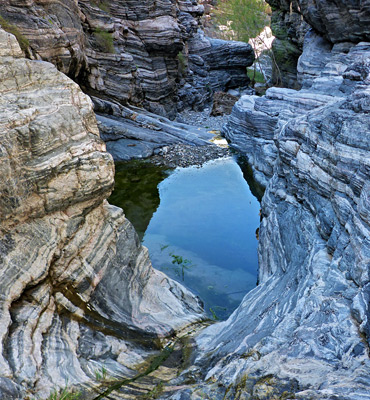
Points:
[136,191]
[203,231]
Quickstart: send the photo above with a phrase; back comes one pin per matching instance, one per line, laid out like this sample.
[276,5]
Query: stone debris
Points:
[186,156]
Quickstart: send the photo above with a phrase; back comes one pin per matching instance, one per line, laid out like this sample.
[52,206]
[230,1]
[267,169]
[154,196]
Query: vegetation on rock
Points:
[245,20]
[102,4]
[10,28]
[242,19]
[104,41]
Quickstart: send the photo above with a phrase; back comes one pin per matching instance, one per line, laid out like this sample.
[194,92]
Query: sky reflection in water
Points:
[203,233]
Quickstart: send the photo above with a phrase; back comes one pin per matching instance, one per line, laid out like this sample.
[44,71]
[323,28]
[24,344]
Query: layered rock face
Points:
[137,59]
[338,21]
[134,52]
[289,29]
[304,331]
[126,50]
[213,65]
[77,289]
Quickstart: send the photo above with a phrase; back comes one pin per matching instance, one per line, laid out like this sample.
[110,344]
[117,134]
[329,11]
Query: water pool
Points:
[199,225]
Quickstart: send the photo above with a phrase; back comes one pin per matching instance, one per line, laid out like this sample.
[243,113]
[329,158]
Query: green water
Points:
[199,225]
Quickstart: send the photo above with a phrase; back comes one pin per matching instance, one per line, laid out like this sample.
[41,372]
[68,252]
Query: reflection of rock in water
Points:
[136,191]
[256,188]
[206,215]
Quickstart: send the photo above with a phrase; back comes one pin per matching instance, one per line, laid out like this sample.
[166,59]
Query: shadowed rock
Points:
[133,52]
[304,331]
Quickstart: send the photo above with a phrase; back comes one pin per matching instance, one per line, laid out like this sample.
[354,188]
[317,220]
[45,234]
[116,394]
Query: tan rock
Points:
[74,279]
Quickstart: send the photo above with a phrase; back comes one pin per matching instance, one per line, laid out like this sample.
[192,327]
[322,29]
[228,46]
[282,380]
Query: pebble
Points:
[181,155]
[202,119]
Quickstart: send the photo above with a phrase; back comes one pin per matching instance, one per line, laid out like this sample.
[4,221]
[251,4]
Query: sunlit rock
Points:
[77,288]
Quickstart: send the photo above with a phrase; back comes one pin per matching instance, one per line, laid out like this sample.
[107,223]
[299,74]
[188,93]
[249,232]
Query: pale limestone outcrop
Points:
[77,289]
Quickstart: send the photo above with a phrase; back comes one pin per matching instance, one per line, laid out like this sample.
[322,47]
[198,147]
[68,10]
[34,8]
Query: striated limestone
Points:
[256,122]
[134,58]
[304,332]
[214,65]
[124,50]
[135,133]
[134,52]
[335,21]
[77,289]
[338,21]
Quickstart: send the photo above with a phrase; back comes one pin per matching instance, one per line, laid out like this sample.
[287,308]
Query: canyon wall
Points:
[304,331]
[140,61]
[78,292]
[135,52]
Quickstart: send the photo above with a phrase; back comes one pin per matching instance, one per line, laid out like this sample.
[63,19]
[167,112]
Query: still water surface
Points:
[199,225]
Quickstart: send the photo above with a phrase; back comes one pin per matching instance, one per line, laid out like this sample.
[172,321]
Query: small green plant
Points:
[255,76]
[213,311]
[154,393]
[214,315]
[164,246]
[101,375]
[182,62]
[10,28]
[104,41]
[65,394]
[102,4]
[181,263]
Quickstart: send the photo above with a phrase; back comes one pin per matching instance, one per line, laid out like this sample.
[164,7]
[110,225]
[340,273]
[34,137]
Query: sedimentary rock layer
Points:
[338,21]
[304,331]
[134,52]
[77,288]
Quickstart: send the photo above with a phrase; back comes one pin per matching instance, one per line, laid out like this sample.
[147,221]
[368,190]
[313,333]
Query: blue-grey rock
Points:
[304,330]
[135,133]
[213,65]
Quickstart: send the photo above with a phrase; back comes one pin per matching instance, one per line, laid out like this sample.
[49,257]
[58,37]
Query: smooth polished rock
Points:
[131,132]
[303,332]
[77,290]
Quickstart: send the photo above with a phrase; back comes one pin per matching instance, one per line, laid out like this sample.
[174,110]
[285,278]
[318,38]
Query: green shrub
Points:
[102,4]
[255,76]
[10,28]
[182,62]
[65,394]
[244,19]
[104,41]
